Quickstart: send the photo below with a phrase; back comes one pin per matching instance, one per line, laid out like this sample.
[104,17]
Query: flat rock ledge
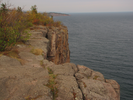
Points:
[32,76]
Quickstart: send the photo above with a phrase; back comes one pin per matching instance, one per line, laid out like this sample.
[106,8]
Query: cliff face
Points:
[58,51]
[53,41]
[33,74]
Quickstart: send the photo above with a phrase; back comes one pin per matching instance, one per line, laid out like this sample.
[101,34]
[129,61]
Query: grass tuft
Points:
[37,51]
[95,77]
[52,85]
[41,63]
[12,53]
[50,71]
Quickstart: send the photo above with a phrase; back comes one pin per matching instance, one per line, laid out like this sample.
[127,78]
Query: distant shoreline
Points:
[52,13]
[57,14]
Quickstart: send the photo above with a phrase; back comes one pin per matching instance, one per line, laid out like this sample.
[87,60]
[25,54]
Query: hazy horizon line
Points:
[85,12]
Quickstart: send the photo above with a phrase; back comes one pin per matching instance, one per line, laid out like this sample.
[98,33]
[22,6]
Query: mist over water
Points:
[104,43]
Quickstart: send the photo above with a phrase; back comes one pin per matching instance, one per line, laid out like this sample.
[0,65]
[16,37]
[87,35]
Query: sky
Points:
[75,6]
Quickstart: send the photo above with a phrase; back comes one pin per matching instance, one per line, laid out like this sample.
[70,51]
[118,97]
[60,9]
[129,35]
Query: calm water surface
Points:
[103,42]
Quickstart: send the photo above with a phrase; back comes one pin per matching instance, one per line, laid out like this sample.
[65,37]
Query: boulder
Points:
[95,87]
[115,85]
[67,69]
[97,90]
[68,88]
[83,72]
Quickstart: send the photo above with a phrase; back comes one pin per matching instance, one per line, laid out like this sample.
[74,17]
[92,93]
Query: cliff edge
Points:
[40,69]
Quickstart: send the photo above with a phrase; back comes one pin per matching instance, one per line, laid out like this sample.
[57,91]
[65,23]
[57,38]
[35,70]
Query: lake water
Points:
[104,43]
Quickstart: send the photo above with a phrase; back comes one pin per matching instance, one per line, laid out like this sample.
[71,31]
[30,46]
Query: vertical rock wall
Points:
[58,51]
[53,41]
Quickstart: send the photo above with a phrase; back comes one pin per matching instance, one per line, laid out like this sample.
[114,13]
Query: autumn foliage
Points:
[14,23]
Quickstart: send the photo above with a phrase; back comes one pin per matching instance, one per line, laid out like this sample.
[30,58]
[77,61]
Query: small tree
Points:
[19,9]
[34,9]
[3,8]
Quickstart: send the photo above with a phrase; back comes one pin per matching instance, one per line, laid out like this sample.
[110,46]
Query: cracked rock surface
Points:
[32,76]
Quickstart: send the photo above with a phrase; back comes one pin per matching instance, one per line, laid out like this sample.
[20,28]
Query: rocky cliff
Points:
[58,51]
[53,41]
[40,70]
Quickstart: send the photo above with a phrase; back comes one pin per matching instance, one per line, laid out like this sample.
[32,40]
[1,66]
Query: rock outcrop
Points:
[25,82]
[29,81]
[53,41]
[31,76]
[95,87]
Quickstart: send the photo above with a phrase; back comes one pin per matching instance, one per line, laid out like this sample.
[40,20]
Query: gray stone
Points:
[39,57]
[97,90]
[36,35]
[97,76]
[7,61]
[68,88]
[64,69]
[115,85]
[41,43]
[27,55]
[83,72]
[44,32]
[19,82]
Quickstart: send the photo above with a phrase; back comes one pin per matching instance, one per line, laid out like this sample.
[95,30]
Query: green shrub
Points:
[57,23]
[50,71]
[13,23]
[12,27]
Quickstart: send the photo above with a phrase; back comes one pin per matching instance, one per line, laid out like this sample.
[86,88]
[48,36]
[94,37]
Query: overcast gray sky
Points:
[67,6]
